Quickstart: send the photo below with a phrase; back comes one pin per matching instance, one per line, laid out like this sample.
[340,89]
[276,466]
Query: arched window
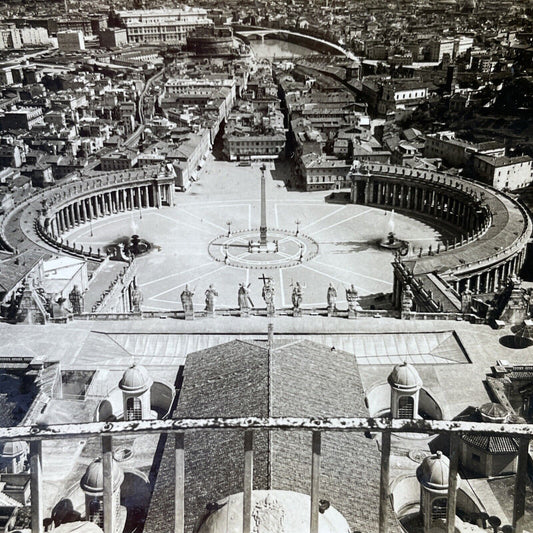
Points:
[406,407]
[96,512]
[133,409]
[438,509]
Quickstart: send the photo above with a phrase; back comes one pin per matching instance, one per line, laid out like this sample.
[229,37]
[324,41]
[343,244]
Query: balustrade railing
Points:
[107,431]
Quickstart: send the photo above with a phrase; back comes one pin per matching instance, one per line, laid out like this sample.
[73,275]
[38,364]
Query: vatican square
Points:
[347,238]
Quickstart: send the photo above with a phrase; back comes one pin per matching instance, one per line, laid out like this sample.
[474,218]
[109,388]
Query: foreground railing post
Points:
[452,482]
[315,479]
[36,486]
[520,486]
[384,503]
[179,483]
[107,465]
[248,481]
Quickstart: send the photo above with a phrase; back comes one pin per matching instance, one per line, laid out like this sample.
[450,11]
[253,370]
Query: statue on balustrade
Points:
[407,300]
[268,295]
[351,298]
[76,300]
[136,299]
[210,299]
[243,297]
[332,298]
[186,302]
[297,297]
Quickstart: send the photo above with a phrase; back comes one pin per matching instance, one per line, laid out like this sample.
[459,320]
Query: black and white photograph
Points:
[266,266]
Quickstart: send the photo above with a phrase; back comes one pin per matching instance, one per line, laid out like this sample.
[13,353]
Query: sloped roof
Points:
[15,268]
[492,444]
[240,379]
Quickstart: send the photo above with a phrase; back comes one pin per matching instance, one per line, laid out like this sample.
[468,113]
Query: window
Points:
[405,407]
[133,409]
[96,512]
[438,509]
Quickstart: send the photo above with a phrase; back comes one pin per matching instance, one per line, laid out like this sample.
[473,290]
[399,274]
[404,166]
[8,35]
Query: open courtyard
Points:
[203,240]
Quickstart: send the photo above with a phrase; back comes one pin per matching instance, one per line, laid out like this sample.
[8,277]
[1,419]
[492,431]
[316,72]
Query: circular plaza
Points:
[205,239]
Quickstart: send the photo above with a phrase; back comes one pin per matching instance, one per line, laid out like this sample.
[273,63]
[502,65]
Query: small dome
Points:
[404,377]
[272,510]
[136,379]
[434,472]
[13,449]
[93,479]
[493,412]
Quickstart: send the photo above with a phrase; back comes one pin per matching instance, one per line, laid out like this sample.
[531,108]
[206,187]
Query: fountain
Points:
[391,241]
[127,247]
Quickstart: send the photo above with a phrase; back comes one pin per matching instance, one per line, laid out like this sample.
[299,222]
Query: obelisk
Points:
[263,226]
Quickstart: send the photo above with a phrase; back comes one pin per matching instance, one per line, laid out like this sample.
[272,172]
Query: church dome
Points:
[135,380]
[272,510]
[404,377]
[493,412]
[434,472]
[92,481]
[12,449]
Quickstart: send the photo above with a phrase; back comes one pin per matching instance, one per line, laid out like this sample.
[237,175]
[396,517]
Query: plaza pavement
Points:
[347,236]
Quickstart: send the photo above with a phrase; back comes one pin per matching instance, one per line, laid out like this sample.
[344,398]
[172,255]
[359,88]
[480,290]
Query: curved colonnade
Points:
[492,229]
[67,206]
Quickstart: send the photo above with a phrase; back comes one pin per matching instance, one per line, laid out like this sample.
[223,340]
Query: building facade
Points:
[168,26]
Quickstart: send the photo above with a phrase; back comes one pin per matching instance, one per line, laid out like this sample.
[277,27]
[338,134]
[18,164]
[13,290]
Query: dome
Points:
[272,510]
[136,380]
[404,377]
[434,472]
[493,412]
[13,449]
[93,479]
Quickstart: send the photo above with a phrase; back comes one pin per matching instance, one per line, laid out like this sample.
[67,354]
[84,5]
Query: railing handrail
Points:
[343,424]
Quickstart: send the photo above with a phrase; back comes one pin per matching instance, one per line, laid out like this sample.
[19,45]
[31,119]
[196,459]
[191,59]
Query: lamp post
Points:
[297,222]
[228,223]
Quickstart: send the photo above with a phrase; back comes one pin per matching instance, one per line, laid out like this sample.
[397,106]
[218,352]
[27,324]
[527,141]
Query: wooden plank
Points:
[107,465]
[179,487]
[519,506]
[315,479]
[384,503]
[248,482]
[452,483]
[36,486]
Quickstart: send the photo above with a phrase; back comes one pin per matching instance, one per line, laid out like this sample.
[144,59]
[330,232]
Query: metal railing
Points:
[35,435]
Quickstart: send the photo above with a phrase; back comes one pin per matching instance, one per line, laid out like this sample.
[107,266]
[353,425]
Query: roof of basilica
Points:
[242,379]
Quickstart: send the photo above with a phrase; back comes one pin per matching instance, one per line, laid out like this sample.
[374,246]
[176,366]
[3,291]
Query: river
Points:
[271,48]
